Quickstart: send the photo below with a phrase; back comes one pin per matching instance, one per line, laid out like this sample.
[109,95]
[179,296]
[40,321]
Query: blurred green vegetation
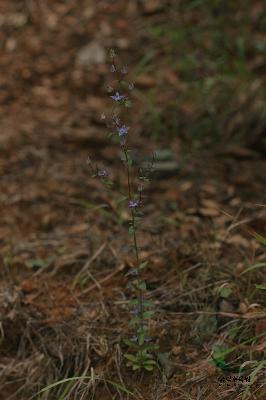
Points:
[216,49]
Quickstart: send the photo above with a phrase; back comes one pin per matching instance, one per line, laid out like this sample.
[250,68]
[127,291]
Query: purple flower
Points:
[133,203]
[102,173]
[122,130]
[147,339]
[134,338]
[117,97]
[112,68]
[135,311]
[133,272]
[124,70]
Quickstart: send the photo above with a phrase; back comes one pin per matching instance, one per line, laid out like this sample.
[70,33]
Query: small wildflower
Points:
[117,96]
[147,339]
[134,338]
[112,68]
[133,203]
[122,130]
[124,70]
[135,311]
[112,53]
[103,116]
[102,173]
[131,86]
[133,272]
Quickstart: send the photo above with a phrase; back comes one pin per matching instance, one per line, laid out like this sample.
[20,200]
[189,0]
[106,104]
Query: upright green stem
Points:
[140,293]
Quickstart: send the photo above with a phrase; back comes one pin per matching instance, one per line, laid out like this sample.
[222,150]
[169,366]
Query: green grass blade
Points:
[66,380]
[259,265]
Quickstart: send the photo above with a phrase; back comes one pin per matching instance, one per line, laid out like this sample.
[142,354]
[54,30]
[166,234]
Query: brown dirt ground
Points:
[69,316]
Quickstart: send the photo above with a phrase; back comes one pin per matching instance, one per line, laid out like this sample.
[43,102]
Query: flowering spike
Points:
[142,357]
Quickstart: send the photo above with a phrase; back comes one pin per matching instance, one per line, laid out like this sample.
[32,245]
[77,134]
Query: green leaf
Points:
[141,286]
[131,357]
[147,303]
[150,362]
[149,347]
[135,367]
[260,239]
[129,161]
[39,263]
[149,367]
[233,332]
[224,291]
[219,352]
[143,264]
[263,287]
[127,103]
[107,181]
[144,178]
[148,314]
[142,329]
[141,339]
[259,265]
[123,82]
[134,321]
[130,343]
[133,302]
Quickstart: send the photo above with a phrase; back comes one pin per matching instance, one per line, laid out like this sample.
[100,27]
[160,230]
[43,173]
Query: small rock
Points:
[122,43]
[91,54]
[165,169]
[11,44]
[150,7]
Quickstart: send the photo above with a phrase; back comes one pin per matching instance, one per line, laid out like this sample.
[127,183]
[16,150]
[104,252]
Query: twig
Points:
[103,280]
[87,265]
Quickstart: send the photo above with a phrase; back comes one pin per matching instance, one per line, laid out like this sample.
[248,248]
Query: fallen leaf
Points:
[238,240]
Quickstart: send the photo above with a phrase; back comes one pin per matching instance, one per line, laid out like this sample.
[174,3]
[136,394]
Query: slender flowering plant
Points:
[140,344]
